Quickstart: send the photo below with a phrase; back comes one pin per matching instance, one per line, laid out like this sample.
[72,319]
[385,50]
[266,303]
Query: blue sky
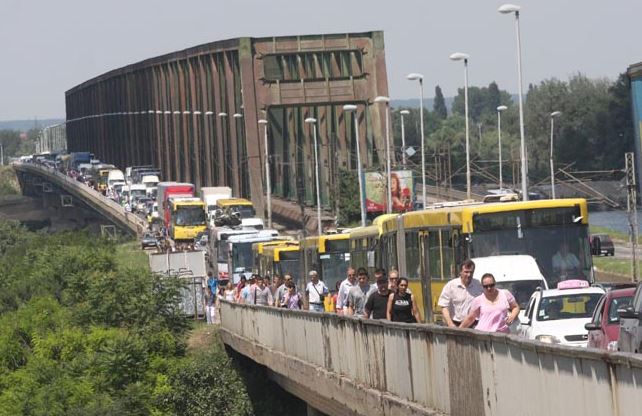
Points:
[48,46]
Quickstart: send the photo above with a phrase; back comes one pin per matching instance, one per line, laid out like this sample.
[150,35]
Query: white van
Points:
[517,273]
[114,175]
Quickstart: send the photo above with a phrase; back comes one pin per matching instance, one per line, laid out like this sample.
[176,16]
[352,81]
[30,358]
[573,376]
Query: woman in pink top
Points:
[491,308]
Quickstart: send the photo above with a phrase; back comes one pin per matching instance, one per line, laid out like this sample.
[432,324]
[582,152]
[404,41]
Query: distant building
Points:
[635,75]
[194,113]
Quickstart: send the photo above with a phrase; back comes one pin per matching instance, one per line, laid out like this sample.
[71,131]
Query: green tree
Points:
[439,104]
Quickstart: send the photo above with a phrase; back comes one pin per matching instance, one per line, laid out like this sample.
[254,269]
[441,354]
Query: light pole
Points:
[268,185]
[351,108]
[420,78]
[459,56]
[313,122]
[553,115]
[499,144]
[507,9]
[403,138]
[386,100]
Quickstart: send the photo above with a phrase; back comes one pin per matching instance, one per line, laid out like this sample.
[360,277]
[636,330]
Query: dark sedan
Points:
[149,240]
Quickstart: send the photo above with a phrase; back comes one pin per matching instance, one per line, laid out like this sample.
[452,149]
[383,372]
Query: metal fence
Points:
[434,368]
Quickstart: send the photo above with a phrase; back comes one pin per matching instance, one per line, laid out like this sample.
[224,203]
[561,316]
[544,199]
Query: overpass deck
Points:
[346,366]
[95,200]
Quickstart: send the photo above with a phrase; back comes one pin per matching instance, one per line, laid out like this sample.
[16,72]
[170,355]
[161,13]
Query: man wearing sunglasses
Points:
[458,294]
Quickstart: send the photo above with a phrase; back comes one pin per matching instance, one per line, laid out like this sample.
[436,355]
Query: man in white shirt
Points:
[358,295]
[344,288]
[315,292]
[458,294]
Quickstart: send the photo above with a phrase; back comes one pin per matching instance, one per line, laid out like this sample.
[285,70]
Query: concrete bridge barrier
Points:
[347,366]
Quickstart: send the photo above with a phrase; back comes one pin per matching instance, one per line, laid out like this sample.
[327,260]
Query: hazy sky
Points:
[49,46]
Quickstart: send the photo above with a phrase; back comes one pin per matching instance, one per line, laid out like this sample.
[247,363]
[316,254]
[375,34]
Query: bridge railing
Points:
[93,198]
[430,367]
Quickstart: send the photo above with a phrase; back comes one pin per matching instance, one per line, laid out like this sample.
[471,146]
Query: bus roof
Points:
[275,250]
[462,215]
[282,241]
[227,202]
[191,201]
[320,241]
[376,229]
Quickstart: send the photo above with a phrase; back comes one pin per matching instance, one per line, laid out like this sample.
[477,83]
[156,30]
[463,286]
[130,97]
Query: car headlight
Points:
[612,346]
[549,339]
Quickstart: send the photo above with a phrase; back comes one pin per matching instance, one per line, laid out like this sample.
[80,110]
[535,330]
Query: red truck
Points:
[166,190]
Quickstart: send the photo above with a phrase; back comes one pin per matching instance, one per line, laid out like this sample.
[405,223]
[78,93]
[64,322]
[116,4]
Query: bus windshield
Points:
[334,267]
[289,264]
[189,216]
[554,237]
[242,256]
[246,211]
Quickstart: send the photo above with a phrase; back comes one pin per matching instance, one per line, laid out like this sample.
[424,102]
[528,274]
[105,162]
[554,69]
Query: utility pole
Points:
[631,206]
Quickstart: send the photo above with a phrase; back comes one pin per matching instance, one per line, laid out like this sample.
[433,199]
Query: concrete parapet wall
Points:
[369,367]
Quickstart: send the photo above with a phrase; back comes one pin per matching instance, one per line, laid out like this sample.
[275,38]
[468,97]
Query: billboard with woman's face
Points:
[402,191]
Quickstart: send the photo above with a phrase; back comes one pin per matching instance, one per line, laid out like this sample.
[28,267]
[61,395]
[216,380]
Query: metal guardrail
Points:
[107,207]
[379,367]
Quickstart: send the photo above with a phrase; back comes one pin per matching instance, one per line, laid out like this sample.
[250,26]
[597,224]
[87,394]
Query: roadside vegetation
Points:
[8,182]
[84,332]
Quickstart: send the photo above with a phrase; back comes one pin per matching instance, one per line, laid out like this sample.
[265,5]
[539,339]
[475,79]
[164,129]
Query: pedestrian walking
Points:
[210,302]
[458,294]
[377,303]
[344,288]
[282,289]
[228,295]
[315,291]
[401,304]
[260,294]
[358,295]
[491,309]
[291,299]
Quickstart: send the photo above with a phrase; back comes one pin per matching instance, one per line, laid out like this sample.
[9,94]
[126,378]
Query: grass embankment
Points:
[613,267]
[8,181]
[129,255]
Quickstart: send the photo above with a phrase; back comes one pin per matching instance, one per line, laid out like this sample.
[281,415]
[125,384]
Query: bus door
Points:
[426,280]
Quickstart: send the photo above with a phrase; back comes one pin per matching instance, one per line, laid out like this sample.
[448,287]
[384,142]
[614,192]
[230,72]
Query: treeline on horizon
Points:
[596,115]
[81,335]
[593,132]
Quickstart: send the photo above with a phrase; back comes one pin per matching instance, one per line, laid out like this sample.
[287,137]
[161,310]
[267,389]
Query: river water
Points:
[615,220]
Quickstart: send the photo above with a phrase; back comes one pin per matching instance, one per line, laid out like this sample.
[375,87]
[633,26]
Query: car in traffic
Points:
[149,240]
[558,316]
[630,336]
[602,244]
[604,328]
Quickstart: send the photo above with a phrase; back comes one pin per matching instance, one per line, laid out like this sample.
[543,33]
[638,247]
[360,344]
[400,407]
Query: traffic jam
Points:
[570,310]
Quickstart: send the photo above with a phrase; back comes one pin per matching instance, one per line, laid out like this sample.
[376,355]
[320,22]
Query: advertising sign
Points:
[402,191]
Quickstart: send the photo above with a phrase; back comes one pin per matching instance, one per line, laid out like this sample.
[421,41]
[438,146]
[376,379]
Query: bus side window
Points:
[434,256]
[448,254]
[412,255]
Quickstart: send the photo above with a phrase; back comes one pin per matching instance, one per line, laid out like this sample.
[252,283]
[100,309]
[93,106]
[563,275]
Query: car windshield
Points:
[580,305]
[618,303]
[522,290]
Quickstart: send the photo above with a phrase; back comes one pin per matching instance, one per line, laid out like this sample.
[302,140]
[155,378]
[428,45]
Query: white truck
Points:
[210,195]
[114,175]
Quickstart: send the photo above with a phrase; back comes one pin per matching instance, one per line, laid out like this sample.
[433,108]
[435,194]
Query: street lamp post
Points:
[459,56]
[386,100]
[507,9]
[420,78]
[499,144]
[351,108]
[553,115]
[403,138]
[268,185]
[313,122]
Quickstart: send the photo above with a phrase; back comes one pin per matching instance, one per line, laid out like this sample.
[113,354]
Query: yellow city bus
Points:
[187,218]
[429,245]
[328,254]
[364,242]
[263,260]
[284,258]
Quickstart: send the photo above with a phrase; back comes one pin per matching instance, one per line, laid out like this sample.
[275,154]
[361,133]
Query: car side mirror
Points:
[526,322]
[628,313]
[592,326]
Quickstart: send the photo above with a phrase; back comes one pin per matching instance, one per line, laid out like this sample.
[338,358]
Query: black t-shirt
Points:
[402,308]
[377,304]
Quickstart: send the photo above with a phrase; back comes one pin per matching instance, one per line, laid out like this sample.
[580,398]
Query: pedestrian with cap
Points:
[315,292]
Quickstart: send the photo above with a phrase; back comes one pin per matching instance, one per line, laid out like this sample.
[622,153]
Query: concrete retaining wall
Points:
[371,367]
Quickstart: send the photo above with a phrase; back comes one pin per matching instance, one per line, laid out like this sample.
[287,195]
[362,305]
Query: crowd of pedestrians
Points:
[464,301]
